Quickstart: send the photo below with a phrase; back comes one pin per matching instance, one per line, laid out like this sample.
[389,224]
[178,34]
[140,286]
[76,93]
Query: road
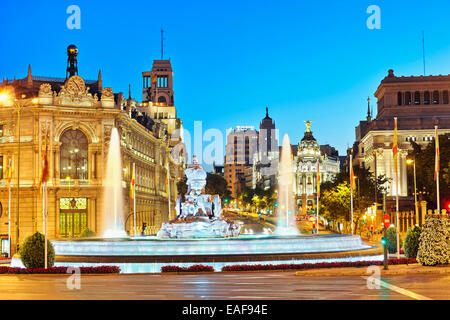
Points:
[244,286]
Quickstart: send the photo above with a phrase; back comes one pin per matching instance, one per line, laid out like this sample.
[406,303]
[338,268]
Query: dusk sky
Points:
[305,60]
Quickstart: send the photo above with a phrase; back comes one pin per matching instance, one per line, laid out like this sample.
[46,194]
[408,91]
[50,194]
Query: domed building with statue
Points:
[305,166]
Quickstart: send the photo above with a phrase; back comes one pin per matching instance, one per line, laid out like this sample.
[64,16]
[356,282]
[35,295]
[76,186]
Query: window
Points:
[162,99]
[399,98]
[1,167]
[426,97]
[410,139]
[445,97]
[408,98]
[417,97]
[74,155]
[435,97]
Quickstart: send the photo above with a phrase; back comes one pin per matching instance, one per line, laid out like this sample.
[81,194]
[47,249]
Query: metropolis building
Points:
[305,166]
[75,117]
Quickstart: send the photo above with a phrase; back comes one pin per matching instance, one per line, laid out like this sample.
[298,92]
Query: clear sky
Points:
[306,60]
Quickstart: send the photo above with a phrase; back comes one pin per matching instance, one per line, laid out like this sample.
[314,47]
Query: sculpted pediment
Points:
[75,92]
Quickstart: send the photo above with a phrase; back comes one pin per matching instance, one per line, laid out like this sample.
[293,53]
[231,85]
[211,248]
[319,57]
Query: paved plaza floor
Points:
[243,286]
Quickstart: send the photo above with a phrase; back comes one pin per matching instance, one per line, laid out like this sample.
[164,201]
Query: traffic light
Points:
[276,205]
[383,241]
[226,200]
[371,227]
[313,211]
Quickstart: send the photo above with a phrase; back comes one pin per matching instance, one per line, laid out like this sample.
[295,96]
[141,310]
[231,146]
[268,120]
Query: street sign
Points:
[386,221]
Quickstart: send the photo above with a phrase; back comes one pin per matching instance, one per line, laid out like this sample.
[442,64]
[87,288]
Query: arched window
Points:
[399,98]
[435,97]
[74,155]
[445,97]
[426,97]
[162,99]
[408,98]
[417,97]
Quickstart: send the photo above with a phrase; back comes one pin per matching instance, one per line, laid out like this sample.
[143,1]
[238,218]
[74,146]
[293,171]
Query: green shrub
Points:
[391,239]
[433,246]
[412,242]
[32,251]
[86,233]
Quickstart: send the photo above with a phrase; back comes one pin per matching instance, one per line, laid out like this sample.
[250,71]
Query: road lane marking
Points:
[405,292]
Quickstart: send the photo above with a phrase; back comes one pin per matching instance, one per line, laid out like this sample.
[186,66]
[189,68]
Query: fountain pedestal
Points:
[200,215]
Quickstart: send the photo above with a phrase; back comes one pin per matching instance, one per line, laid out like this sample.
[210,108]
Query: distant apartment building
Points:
[242,144]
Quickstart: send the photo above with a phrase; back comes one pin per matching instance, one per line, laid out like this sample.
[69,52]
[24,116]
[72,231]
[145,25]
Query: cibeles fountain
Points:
[200,215]
[200,233]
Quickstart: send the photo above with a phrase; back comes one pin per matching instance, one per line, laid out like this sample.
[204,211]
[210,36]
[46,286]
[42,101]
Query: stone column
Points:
[423,210]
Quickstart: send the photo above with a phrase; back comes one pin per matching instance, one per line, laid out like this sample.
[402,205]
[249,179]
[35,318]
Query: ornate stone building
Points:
[305,167]
[419,103]
[77,117]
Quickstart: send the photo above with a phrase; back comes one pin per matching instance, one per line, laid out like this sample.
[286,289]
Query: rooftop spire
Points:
[162,43]
[267,112]
[129,91]
[99,80]
[29,77]
[369,118]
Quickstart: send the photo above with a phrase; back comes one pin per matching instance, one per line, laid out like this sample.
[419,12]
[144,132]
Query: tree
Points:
[335,204]
[433,242]
[424,158]
[391,239]
[412,242]
[32,251]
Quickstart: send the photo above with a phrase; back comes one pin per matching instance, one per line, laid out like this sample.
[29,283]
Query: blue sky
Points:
[306,60]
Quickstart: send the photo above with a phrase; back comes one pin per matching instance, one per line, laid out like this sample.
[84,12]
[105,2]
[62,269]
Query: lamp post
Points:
[18,104]
[409,161]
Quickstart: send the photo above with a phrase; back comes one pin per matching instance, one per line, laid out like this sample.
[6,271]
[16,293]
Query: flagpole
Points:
[396,189]
[134,197]
[45,222]
[351,192]
[9,209]
[436,160]
[318,191]
[168,186]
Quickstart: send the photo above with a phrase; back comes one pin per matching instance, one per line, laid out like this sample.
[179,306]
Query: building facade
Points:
[305,166]
[420,103]
[74,118]
[265,164]
[241,147]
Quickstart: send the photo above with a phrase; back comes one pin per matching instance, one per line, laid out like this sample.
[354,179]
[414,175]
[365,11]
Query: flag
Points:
[395,147]
[318,178]
[9,172]
[352,178]
[45,171]
[154,80]
[132,185]
[436,160]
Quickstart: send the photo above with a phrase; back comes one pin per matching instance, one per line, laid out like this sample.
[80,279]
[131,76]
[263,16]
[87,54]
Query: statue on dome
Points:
[200,215]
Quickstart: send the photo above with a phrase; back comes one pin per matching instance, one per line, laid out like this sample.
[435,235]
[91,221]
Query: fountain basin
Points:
[244,246]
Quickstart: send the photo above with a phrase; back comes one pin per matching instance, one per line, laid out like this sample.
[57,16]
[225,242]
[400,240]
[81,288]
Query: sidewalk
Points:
[364,271]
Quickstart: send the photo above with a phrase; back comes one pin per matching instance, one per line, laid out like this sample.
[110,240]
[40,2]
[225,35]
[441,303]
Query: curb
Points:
[411,269]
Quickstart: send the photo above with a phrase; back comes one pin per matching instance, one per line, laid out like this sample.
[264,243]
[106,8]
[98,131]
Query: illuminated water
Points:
[286,199]
[113,225]
[156,267]
[242,245]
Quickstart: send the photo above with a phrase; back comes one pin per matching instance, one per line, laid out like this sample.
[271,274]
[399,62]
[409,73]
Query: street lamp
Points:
[409,161]
[18,104]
